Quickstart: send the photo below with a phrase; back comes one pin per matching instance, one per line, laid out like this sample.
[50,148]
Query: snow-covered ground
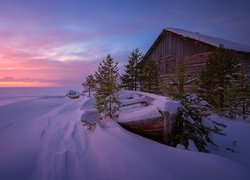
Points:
[9,95]
[235,144]
[43,138]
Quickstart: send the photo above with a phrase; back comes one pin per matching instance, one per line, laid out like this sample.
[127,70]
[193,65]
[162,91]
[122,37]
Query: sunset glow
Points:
[25,84]
[58,43]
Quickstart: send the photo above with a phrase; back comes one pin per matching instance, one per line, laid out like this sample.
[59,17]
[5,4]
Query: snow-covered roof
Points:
[215,41]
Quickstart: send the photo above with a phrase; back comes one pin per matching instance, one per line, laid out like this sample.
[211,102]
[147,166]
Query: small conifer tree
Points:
[191,114]
[149,76]
[130,79]
[190,124]
[215,78]
[106,77]
[90,83]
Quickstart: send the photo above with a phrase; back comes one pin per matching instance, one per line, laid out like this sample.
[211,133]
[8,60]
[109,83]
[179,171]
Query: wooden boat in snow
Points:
[148,115]
[152,128]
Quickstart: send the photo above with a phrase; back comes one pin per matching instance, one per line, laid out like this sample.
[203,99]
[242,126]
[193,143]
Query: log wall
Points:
[194,64]
[169,48]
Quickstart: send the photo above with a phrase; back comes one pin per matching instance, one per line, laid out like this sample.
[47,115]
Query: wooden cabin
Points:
[173,45]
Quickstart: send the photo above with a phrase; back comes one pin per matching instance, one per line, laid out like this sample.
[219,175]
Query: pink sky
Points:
[44,62]
[50,58]
[60,42]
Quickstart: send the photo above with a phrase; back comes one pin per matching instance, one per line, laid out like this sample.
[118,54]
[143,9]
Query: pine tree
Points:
[191,114]
[130,79]
[215,78]
[149,76]
[89,83]
[106,78]
[238,96]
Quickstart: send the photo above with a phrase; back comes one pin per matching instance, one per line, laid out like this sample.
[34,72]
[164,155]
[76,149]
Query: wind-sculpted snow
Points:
[43,139]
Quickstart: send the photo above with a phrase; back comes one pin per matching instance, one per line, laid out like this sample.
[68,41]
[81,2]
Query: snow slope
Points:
[44,139]
[235,144]
[10,94]
[215,41]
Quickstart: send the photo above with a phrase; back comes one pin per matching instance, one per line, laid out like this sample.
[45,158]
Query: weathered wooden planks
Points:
[170,47]
[158,128]
[150,128]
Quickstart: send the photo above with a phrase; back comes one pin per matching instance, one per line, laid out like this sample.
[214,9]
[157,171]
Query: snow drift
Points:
[43,138]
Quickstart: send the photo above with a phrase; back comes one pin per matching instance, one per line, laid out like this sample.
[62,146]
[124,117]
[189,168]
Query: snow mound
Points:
[127,95]
[73,94]
[90,116]
[139,100]
[129,156]
[89,104]
[215,41]
[235,144]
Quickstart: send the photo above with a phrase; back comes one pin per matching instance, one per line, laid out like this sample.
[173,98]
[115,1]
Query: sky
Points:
[60,42]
